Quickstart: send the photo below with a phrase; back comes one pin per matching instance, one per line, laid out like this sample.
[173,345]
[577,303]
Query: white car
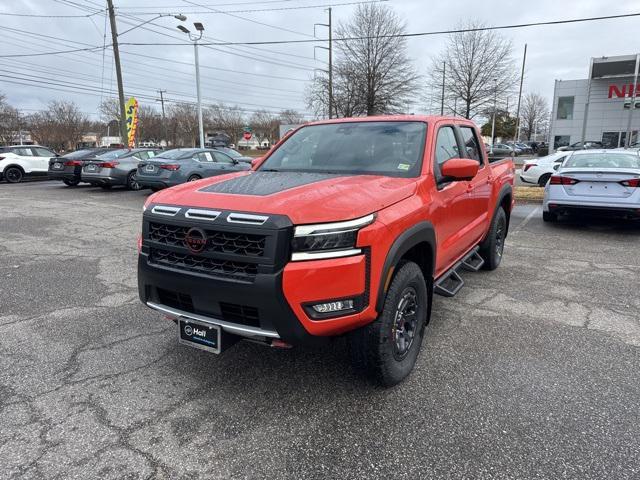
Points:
[19,161]
[599,182]
[539,170]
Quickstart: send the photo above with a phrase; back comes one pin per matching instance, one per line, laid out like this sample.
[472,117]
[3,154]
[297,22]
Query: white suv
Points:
[18,161]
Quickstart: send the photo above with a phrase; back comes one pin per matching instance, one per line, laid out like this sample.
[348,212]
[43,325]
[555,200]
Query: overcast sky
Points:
[270,77]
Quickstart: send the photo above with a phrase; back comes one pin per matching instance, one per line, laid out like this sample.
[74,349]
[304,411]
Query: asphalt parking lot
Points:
[532,371]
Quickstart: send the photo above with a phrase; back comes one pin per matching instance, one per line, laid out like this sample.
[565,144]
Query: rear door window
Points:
[43,152]
[23,152]
[222,158]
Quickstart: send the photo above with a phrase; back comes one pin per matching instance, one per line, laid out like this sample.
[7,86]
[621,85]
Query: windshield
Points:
[603,160]
[176,153]
[374,148]
[113,154]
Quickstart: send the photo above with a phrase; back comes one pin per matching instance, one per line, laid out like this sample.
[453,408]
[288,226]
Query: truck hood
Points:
[303,197]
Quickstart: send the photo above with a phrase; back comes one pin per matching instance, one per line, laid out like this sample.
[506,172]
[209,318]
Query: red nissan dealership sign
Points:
[622,91]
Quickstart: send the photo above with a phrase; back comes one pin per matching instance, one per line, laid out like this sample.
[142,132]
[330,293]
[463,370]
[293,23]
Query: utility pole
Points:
[116,57]
[524,61]
[164,123]
[444,70]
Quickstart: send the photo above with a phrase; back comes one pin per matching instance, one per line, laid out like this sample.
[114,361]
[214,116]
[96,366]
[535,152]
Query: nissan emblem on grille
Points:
[195,240]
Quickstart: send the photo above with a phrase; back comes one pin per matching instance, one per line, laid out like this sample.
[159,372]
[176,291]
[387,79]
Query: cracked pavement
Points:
[531,371]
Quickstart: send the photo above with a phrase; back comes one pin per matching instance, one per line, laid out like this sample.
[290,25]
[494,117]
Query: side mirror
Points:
[457,169]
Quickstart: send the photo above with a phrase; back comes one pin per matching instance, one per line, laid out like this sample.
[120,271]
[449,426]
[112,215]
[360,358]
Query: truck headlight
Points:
[328,240]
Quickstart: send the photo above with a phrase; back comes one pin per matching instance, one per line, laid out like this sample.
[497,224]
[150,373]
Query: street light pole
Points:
[200,126]
[195,39]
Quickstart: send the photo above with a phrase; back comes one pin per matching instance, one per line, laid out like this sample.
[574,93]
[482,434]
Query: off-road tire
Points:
[492,247]
[373,348]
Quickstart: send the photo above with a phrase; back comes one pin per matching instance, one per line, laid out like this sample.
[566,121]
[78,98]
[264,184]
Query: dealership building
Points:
[602,107]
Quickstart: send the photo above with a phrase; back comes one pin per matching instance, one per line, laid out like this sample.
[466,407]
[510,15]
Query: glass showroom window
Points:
[565,108]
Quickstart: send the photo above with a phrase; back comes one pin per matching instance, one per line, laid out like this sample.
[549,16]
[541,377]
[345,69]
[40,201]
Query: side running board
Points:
[451,282]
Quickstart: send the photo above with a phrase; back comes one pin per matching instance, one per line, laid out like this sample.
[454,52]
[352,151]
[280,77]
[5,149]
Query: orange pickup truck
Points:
[345,228]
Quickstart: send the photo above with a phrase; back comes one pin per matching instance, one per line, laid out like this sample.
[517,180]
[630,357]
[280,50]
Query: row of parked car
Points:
[134,168]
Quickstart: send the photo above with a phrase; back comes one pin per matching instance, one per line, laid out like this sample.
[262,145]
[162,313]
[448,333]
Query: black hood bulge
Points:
[266,183]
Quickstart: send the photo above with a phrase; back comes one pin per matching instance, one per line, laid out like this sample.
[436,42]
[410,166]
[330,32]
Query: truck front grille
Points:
[208,266]
[250,245]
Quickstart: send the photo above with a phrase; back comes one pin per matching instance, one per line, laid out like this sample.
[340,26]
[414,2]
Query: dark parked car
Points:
[68,167]
[500,151]
[588,145]
[117,167]
[180,165]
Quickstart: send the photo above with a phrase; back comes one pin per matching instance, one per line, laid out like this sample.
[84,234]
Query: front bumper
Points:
[272,303]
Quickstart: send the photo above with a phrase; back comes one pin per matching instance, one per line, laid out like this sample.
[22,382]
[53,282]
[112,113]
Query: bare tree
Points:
[109,110]
[229,120]
[60,126]
[477,66]
[183,121]
[534,114]
[149,124]
[264,125]
[11,122]
[290,117]
[373,73]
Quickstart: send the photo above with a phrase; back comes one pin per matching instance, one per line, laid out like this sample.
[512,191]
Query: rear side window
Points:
[446,148]
[471,143]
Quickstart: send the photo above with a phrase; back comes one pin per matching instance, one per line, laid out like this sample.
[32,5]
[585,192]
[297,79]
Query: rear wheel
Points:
[132,181]
[193,178]
[492,247]
[549,217]
[387,349]
[71,183]
[542,181]
[13,175]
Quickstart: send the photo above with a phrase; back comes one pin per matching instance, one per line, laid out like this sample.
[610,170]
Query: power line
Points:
[40,54]
[408,35]
[33,15]
[273,9]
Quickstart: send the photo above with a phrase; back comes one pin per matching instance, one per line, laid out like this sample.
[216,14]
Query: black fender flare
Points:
[419,233]
[506,190]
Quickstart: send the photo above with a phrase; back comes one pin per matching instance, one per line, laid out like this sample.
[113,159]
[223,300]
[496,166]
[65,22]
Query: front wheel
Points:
[387,349]
[13,175]
[492,247]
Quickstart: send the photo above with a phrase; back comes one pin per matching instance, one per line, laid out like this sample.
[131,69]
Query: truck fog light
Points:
[331,307]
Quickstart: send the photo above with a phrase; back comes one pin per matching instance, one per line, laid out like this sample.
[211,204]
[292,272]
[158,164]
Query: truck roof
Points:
[391,118]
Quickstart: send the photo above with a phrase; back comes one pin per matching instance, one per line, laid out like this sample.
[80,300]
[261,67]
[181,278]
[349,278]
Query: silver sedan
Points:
[116,167]
[605,182]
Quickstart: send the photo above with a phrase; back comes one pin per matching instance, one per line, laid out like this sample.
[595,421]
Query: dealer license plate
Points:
[57,165]
[91,167]
[202,335]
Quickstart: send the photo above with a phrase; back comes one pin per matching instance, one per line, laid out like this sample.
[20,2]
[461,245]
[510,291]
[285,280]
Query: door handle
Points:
[470,188]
